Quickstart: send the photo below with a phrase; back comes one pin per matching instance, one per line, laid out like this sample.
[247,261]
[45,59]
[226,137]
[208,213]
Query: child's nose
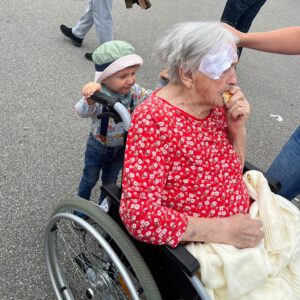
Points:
[131,79]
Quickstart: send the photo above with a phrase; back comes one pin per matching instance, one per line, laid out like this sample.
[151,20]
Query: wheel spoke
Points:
[96,262]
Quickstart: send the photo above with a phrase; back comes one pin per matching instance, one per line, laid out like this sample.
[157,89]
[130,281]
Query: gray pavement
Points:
[42,141]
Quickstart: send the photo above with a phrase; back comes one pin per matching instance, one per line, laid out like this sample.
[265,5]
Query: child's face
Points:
[122,81]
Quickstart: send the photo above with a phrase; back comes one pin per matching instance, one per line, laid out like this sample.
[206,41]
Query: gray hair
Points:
[186,43]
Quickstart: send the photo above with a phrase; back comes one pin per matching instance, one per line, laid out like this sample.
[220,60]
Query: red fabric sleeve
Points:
[144,177]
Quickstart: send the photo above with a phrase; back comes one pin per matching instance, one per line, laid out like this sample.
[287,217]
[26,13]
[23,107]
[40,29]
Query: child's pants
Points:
[99,157]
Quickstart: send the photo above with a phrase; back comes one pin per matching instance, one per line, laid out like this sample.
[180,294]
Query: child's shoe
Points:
[105,205]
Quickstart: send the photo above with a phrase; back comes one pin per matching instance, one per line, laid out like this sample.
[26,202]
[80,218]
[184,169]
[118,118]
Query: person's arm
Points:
[238,230]
[144,177]
[140,94]
[281,41]
[237,111]
[86,107]
[163,78]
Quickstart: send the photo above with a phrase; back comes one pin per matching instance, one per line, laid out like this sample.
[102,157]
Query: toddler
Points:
[116,64]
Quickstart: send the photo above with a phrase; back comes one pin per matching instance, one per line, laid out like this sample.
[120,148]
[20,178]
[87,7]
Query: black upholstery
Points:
[273,184]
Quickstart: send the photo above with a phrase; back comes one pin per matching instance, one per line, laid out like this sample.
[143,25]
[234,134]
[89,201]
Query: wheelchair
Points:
[102,261]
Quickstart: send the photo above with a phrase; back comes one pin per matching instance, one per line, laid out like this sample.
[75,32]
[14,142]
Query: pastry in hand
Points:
[226,97]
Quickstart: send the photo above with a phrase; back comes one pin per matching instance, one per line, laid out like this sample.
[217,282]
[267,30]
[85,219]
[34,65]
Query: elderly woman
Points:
[185,150]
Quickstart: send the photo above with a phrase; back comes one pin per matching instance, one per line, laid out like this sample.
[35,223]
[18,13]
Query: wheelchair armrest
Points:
[273,184]
[113,192]
[183,258]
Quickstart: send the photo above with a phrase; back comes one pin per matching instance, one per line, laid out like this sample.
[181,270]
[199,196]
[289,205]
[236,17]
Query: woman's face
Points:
[217,71]
[209,90]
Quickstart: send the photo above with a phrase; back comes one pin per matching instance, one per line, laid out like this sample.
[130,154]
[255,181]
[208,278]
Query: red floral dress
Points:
[177,166]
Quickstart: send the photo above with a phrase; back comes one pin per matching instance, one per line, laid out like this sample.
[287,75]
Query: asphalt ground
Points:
[42,140]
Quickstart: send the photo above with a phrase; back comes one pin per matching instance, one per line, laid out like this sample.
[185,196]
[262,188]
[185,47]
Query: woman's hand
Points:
[88,90]
[237,111]
[164,74]
[241,35]
[241,231]
[238,230]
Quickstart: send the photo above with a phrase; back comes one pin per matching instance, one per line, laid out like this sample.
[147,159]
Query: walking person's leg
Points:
[240,14]
[246,19]
[231,13]
[249,14]
[286,167]
[78,32]
[86,21]
[102,16]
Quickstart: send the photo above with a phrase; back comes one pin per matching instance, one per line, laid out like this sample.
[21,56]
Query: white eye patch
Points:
[218,60]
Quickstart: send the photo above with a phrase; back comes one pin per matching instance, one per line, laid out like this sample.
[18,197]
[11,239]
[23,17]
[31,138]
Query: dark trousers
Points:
[286,167]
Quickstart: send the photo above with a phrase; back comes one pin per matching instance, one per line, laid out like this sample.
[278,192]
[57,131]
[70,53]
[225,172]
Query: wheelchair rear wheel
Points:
[97,261]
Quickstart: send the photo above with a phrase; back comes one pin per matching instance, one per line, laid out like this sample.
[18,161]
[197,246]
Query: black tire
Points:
[71,252]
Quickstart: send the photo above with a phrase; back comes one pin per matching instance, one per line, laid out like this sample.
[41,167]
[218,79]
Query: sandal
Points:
[144,4]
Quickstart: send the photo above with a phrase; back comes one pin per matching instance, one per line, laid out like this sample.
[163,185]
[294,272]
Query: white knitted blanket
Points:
[269,271]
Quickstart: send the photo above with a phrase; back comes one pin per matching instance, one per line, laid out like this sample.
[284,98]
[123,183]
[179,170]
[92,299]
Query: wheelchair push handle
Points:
[104,99]
[113,105]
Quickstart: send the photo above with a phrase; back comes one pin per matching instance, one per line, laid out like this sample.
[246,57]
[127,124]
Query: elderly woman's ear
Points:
[186,77]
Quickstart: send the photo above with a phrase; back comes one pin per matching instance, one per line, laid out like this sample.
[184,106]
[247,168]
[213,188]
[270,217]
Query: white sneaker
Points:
[105,205]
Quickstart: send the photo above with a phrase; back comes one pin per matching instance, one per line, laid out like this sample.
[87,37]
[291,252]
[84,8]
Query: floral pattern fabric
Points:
[178,166]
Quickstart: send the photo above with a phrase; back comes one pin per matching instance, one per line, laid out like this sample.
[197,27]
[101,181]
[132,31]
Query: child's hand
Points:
[164,74]
[89,89]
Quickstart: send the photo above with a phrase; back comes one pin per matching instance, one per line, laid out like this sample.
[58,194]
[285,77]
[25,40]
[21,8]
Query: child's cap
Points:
[112,57]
